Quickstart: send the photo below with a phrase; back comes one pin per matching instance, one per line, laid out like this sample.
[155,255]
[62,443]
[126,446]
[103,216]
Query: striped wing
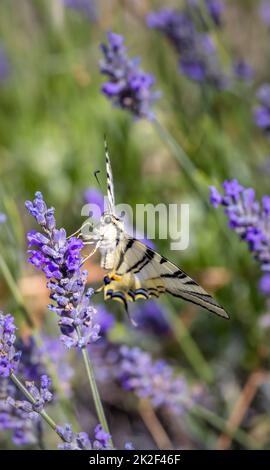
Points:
[140,272]
[110,187]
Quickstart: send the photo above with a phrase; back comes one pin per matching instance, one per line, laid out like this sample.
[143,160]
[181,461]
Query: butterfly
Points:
[136,271]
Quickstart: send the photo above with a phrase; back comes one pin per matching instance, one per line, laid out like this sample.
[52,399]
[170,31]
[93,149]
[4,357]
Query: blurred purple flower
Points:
[105,319]
[33,362]
[243,71]
[147,378]
[57,354]
[264,11]
[31,366]
[59,258]
[250,219]
[262,112]
[128,86]
[151,318]
[96,198]
[4,65]
[3,218]
[265,284]
[9,357]
[215,9]
[198,58]
[86,7]
[81,440]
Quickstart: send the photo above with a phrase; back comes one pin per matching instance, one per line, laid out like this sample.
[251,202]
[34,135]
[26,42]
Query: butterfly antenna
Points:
[96,172]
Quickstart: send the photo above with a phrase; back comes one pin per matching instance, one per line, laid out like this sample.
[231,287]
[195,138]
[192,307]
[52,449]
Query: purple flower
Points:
[105,319]
[250,219]
[86,7]
[4,65]
[243,71]
[81,440]
[9,357]
[262,111]
[151,318]
[215,197]
[3,218]
[139,373]
[265,284]
[128,87]
[59,258]
[34,358]
[264,11]
[215,9]
[15,419]
[198,58]
[94,197]
[42,396]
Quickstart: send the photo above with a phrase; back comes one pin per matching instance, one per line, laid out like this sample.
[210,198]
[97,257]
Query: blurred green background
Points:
[52,121]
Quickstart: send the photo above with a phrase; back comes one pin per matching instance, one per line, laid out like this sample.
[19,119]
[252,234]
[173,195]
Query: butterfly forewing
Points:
[143,273]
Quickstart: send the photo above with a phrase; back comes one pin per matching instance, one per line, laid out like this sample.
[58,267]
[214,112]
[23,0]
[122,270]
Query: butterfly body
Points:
[136,271]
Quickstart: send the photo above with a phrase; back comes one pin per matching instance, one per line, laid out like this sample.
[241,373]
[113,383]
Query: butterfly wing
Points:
[140,272]
[109,175]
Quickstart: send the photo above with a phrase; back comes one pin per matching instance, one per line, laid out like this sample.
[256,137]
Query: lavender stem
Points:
[94,389]
[32,400]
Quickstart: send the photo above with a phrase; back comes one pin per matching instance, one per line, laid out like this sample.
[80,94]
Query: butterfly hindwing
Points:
[140,272]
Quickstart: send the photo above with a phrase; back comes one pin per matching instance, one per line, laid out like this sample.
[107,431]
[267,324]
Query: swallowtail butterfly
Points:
[136,271]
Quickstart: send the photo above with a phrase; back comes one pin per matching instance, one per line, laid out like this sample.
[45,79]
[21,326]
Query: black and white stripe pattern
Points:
[152,274]
[109,176]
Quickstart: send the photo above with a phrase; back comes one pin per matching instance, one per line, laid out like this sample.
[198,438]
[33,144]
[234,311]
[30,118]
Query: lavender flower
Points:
[3,218]
[215,9]
[243,71]
[95,197]
[250,219]
[262,112]
[9,357]
[81,440]
[41,395]
[57,354]
[151,318]
[86,7]
[33,362]
[105,319]
[264,11]
[197,53]
[128,87]
[4,65]
[265,284]
[15,419]
[59,258]
[154,380]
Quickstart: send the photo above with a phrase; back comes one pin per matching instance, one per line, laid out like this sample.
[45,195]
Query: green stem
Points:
[187,165]
[190,348]
[219,423]
[94,389]
[14,290]
[32,400]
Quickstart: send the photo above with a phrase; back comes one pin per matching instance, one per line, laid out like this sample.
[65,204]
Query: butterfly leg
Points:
[92,252]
